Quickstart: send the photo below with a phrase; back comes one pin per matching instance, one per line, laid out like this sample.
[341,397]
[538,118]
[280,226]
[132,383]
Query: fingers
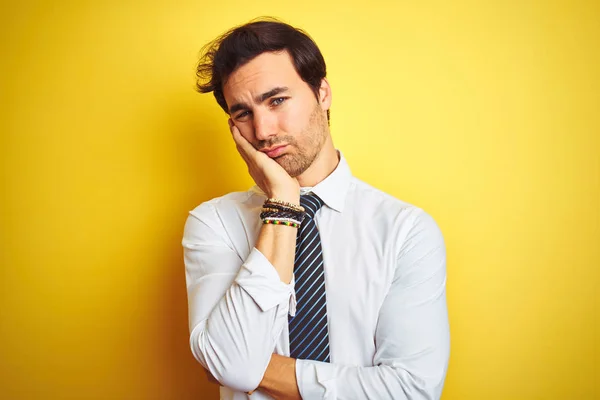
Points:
[244,147]
[235,133]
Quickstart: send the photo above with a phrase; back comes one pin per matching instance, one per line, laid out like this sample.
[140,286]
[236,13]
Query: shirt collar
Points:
[333,189]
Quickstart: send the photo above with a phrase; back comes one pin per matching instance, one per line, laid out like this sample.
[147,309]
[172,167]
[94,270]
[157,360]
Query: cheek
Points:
[294,119]
[285,121]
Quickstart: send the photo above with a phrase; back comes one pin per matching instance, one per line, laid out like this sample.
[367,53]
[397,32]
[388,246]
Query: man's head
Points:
[270,78]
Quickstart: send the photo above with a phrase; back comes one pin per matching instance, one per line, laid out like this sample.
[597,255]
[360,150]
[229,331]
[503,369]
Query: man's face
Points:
[277,112]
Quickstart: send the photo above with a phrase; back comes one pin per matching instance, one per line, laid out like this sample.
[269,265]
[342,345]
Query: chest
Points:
[359,262]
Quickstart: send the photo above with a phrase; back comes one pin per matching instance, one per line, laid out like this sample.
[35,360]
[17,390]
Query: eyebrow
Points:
[258,99]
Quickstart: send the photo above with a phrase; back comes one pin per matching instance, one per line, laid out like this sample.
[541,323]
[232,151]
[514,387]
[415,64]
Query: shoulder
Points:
[215,213]
[376,201]
[229,202]
[403,218]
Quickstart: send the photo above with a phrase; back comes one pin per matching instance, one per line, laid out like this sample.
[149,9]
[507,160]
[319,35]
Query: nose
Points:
[265,125]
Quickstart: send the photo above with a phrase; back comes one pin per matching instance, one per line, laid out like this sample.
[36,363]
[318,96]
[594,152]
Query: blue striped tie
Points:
[309,336]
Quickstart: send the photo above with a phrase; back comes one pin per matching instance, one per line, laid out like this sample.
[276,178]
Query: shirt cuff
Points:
[316,380]
[260,280]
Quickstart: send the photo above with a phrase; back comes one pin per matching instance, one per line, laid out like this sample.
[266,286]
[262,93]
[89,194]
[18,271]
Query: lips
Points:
[275,151]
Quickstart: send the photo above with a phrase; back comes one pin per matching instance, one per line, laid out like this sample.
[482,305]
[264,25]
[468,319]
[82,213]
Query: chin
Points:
[294,171]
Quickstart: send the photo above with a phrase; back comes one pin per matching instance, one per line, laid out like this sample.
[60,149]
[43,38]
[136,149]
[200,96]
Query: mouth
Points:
[275,151]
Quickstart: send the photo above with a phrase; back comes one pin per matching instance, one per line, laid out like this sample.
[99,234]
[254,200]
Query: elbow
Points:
[233,369]
[240,379]
[420,386]
[425,379]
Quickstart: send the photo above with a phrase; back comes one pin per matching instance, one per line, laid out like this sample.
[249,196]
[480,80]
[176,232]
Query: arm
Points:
[279,380]
[238,307]
[412,335]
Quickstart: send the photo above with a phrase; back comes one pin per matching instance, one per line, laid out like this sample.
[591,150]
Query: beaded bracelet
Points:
[279,212]
[283,213]
[283,219]
[277,208]
[281,209]
[279,222]
[267,214]
[296,207]
[297,214]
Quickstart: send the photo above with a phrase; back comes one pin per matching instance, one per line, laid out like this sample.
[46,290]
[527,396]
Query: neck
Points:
[325,163]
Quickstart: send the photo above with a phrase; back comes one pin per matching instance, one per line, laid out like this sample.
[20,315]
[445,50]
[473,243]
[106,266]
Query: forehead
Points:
[261,74]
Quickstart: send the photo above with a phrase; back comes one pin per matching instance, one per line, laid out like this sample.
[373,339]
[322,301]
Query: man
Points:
[312,284]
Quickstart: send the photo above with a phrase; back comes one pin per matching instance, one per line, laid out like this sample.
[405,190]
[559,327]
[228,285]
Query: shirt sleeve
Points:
[237,308]
[412,335]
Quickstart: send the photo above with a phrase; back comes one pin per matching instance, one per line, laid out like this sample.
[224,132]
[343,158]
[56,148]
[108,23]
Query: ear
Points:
[325,95]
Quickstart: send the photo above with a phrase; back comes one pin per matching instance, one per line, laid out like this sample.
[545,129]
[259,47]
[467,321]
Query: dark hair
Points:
[221,57]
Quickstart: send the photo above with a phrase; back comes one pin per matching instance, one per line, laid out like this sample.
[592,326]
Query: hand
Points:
[266,172]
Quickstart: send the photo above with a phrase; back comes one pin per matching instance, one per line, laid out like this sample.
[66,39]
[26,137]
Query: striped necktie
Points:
[309,336]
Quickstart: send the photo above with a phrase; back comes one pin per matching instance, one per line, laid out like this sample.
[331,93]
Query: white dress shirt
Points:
[385,276]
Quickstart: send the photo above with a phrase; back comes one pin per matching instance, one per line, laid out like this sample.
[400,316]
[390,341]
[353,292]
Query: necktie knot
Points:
[311,203]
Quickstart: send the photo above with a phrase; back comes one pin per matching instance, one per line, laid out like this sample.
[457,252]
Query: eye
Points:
[242,115]
[278,100]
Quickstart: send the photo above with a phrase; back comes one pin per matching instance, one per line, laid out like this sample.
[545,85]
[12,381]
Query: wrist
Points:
[289,196]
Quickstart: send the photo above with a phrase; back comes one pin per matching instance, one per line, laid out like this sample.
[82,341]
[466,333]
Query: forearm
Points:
[346,382]
[234,335]
[390,381]
[278,242]
[279,380]
[237,337]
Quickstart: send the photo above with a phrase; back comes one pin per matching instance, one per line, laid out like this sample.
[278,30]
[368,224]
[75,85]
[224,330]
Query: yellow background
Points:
[486,114]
